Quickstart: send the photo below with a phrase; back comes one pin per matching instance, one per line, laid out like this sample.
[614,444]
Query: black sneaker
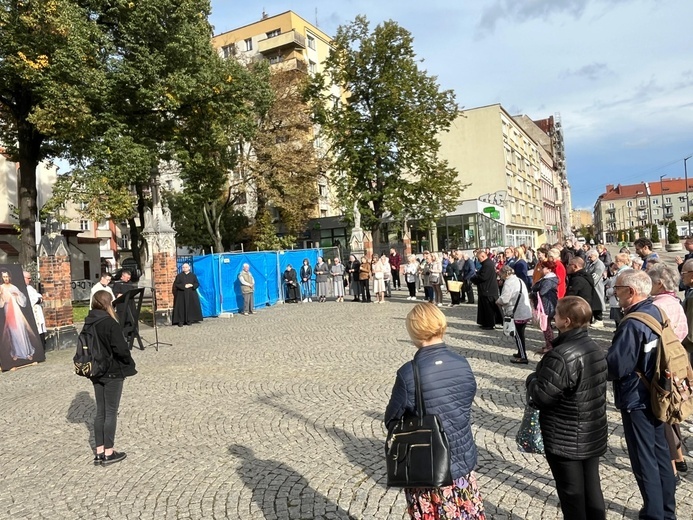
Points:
[98,459]
[516,355]
[113,458]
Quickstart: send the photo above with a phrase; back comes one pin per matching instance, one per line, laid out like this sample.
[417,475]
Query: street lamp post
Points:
[688,207]
[661,205]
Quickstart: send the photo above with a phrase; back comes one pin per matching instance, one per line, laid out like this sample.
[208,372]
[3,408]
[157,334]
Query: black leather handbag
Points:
[416,449]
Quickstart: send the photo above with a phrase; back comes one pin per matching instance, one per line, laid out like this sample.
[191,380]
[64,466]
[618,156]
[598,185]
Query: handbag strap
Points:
[518,297]
[420,407]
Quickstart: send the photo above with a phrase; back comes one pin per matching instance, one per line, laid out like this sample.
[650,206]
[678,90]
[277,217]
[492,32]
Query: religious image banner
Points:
[20,343]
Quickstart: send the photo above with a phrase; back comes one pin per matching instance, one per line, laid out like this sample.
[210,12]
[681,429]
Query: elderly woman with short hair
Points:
[448,387]
[514,302]
[596,268]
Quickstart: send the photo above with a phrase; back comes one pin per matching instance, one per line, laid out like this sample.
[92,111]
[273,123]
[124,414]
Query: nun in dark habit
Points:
[186,302]
[291,281]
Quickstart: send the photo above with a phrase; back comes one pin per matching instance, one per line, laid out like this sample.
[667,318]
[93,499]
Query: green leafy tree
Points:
[281,166]
[210,141]
[188,221]
[631,235]
[655,233]
[383,138]
[159,68]
[265,235]
[52,74]
[672,233]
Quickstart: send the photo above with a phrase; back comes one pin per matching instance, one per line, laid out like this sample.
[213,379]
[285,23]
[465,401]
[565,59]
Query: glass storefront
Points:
[468,232]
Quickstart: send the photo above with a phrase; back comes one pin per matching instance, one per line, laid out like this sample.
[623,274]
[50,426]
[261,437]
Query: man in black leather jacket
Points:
[581,283]
[569,388]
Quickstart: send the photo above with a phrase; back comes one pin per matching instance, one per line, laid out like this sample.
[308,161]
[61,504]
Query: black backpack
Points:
[92,359]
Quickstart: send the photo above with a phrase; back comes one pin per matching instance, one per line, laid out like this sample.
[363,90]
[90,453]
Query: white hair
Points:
[666,274]
[639,281]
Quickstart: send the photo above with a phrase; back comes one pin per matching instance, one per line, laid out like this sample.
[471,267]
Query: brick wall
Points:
[56,282]
[164,271]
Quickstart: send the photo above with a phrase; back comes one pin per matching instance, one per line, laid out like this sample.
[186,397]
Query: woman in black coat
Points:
[569,389]
[448,387]
[109,387]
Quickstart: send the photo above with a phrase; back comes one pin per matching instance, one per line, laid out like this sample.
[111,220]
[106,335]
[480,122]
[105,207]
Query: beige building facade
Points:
[502,165]
[289,43]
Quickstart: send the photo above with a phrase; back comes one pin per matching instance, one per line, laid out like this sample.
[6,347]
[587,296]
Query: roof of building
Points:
[631,191]
[266,17]
[8,248]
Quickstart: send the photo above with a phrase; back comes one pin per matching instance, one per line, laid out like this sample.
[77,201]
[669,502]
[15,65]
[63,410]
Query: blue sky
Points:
[619,72]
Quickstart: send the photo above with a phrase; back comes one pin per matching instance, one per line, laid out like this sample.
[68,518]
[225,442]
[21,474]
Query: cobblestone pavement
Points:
[276,416]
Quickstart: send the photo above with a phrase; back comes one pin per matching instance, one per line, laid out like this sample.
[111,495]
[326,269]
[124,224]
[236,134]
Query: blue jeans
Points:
[651,464]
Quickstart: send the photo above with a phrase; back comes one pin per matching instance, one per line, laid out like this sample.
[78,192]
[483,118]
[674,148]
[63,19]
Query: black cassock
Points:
[292,292]
[186,303]
[488,313]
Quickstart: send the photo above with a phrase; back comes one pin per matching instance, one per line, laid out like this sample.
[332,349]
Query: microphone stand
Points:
[156,343]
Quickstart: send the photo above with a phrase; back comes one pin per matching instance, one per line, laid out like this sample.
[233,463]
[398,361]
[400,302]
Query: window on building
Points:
[241,198]
[611,205]
[323,213]
[248,44]
[273,33]
[655,201]
[124,242]
[227,51]
[323,190]
[667,200]
[84,225]
[682,209]
[311,41]
[655,212]
[642,203]
[277,58]
[630,203]
[312,67]
[103,225]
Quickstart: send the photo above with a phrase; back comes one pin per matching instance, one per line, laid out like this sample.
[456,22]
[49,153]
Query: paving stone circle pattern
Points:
[272,416]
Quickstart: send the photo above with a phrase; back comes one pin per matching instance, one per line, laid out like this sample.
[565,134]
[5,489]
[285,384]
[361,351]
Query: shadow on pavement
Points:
[81,411]
[281,492]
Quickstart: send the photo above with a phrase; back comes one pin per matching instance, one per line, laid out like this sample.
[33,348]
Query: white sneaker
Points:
[305,300]
[598,324]
[310,300]
[439,304]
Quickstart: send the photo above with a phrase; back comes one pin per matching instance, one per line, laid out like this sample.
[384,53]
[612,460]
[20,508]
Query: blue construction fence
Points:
[220,290]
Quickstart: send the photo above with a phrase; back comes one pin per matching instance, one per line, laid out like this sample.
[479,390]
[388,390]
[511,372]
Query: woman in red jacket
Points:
[555,256]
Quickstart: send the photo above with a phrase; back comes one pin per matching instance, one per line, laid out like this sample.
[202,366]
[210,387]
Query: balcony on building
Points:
[611,210]
[289,39]
[668,213]
[290,64]
[611,220]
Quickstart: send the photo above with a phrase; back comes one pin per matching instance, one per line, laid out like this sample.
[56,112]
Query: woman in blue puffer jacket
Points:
[448,388]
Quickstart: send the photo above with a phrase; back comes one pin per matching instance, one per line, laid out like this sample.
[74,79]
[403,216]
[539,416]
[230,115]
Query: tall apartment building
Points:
[552,174]
[289,43]
[503,164]
[638,206]
[580,218]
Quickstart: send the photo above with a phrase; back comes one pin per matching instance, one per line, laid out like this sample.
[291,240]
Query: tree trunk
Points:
[29,142]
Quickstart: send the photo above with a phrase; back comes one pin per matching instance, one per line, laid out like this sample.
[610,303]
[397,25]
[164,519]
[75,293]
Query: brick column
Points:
[407,244]
[56,280]
[164,270]
[368,244]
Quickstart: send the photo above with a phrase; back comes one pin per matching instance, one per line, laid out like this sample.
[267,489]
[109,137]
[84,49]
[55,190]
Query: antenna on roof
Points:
[316,17]
[264,14]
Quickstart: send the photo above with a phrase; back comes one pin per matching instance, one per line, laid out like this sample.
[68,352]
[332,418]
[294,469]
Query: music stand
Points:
[128,306]
[156,342]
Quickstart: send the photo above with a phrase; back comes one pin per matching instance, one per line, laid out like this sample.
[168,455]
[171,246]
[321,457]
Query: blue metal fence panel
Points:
[207,272]
[220,290]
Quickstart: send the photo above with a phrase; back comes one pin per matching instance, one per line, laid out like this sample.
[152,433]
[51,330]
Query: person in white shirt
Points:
[102,285]
[35,298]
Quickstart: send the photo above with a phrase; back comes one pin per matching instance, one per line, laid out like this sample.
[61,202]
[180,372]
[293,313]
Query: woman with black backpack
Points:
[109,387]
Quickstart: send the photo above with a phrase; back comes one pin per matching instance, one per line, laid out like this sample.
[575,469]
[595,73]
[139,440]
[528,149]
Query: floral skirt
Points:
[461,501]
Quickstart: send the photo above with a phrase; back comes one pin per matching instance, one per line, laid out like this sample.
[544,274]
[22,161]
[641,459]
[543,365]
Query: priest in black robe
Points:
[291,281]
[186,302]
[488,313]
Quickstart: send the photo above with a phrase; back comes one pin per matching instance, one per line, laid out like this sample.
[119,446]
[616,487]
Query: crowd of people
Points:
[568,387]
